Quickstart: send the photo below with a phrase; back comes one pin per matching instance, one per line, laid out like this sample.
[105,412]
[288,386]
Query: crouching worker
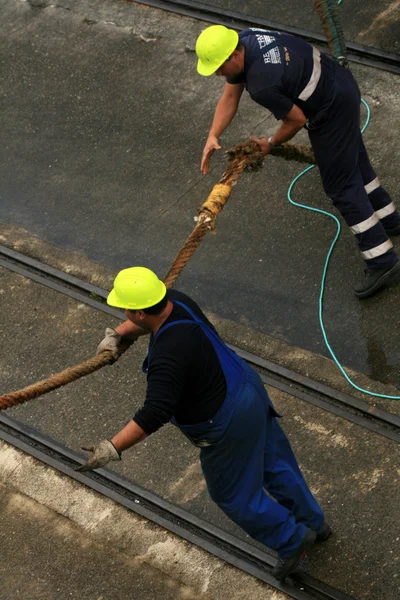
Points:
[219,402]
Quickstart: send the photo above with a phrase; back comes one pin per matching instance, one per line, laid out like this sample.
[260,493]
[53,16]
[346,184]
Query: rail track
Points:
[357,53]
[353,409]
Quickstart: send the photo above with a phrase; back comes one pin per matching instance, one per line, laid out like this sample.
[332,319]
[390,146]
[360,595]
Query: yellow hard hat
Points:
[213,47]
[136,288]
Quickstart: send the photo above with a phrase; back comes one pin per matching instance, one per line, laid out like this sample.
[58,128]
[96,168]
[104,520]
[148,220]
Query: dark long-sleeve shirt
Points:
[185,378]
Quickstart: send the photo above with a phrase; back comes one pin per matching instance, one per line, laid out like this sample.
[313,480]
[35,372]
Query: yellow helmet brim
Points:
[207,69]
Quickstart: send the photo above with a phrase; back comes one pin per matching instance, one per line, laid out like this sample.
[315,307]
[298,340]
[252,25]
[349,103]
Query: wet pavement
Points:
[374,23]
[89,164]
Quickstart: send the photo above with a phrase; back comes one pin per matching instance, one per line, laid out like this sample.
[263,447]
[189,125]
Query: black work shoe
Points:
[393,231]
[374,280]
[286,566]
[324,533]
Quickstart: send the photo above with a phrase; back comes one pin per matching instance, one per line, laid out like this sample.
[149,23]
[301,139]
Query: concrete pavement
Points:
[45,556]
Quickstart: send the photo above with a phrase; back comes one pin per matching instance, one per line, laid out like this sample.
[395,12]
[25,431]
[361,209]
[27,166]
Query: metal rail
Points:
[358,53]
[348,407]
[173,518]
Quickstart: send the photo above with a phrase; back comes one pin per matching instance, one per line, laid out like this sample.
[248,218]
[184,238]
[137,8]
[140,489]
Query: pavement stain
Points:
[383,19]
[189,486]
[336,439]
[180,559]
[368,480]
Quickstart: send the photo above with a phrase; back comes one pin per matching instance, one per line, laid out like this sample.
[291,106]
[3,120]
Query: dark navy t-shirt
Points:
[277,68]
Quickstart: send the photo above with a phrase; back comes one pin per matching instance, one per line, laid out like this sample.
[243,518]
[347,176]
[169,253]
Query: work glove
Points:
[110,342]
[102,453]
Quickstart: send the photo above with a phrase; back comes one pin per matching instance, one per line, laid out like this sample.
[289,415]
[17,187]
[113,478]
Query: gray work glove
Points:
[103,452]
[110,342]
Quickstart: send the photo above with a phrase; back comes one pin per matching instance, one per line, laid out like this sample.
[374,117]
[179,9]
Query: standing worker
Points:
[195,381]
[302,87]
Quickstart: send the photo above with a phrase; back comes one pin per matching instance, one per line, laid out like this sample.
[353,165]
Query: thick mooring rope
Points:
[245,156]
[59,379]
[242,157]
[55,381]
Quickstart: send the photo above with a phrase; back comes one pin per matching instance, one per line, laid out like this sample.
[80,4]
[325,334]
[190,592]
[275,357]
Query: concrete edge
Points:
[131,534]
[301,361]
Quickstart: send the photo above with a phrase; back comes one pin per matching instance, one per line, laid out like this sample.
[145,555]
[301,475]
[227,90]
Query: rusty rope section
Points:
[205,222]
[242,157]
[300,153]
[297,152]
[59,379]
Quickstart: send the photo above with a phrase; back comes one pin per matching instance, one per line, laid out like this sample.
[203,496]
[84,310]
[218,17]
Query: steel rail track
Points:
[173,518]
[348,407]
[358,53]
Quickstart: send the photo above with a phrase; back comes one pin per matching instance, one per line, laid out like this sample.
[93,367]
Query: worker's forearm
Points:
[224,113]
[130,435]
[286,132]
[129,330]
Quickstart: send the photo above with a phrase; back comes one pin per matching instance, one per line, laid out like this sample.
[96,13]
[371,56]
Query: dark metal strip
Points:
[61,288]
[336,410]
[61,275]
[356,52]
[321,388]
[175,519]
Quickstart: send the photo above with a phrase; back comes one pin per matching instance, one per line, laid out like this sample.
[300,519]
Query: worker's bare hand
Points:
[211,146]
[102,453]
[110,342]
[263,143]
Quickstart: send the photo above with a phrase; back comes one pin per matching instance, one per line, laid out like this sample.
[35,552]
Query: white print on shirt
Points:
[273,56]
[265,40]
[263,30]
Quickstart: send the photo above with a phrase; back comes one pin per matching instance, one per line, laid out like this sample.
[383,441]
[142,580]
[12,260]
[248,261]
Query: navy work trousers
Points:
[347,175]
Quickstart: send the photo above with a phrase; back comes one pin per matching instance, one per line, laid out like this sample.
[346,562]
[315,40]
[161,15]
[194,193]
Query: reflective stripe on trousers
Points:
[347,175]
[245,452]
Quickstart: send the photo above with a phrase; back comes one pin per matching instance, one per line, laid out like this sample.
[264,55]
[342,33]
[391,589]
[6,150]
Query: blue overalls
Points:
[243,452]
